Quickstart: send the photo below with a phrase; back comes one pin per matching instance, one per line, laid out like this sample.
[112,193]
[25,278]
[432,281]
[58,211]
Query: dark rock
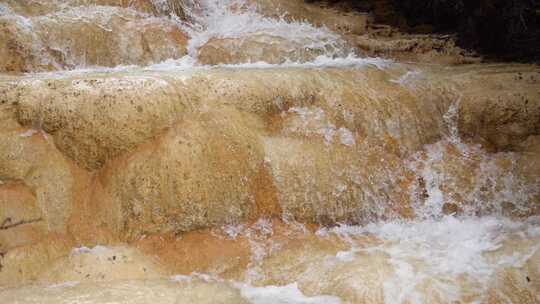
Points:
[498,29]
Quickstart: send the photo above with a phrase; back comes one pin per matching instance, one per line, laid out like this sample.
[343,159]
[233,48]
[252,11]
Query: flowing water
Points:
[468,236]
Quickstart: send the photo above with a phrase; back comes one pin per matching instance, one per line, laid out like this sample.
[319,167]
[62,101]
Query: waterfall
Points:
[259,151]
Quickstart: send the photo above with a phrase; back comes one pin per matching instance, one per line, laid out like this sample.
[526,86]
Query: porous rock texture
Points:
[363,32]
[43,36]
[258,47]
[219,146]
[166,160]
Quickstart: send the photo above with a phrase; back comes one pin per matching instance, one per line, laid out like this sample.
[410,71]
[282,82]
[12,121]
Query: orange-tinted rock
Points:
[255,48]
[21,221]
[25,264]
[87,36]
[344,22]
[44,7]
[197,175]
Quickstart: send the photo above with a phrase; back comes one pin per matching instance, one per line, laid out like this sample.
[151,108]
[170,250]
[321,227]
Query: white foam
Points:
[99,249]
[28,133]
[64,284]
[408,79]
[205,20]
[238,18]
[313,120]
[233,231]
[495,185]
[288,294]
[346,137]
[181,278]
[445,252]
[322,61]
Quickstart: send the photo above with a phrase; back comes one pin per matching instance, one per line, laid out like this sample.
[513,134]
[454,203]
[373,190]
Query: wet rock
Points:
[21,221]
[205,251]
[101,264]
[321,184]
[457,177]
[30,8]
[255,48]
[87,36]
[504,120]
[203,172]
[21,47]
[317,145]
[517,281]
[93,120]
[136,291]
[417,48]
[340,21]
[24,264]
[28,156]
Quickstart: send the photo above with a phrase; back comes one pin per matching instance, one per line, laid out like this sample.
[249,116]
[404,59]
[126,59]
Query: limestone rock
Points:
[21,220]
[24,264]
[518,283]
[87,36]
[205,171]
[504,119]
[101,264]
[416,48]
[344,22]
[30,8]
[329,184]
[255,48]
[136,291]
[29,156]
[320,145]
[93,120]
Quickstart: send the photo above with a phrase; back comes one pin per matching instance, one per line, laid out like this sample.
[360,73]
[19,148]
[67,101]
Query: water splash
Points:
[288,294]
[201,20]
[237,18]
[448,256]
[457,177]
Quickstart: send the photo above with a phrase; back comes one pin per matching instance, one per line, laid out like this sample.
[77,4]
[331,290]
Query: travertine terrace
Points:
[253,152]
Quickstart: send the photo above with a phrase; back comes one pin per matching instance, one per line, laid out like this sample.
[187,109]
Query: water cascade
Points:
[243,151]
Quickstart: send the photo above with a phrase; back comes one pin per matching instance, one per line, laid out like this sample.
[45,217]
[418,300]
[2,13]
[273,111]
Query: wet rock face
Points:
[337,20]
[79,36]
[214,147]
[22,220]
[502,29]
[516,24]
[32,159]
[504,122]
[228,170]
[340,262]
[91,107]
[203,172]
[30,8]
[255,48]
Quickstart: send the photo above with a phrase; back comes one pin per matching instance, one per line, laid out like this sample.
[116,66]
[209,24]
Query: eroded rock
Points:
[21,221]
[87,36]
[257,47]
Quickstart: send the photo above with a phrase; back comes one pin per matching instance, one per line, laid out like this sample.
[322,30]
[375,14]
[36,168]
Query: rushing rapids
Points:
[163,151]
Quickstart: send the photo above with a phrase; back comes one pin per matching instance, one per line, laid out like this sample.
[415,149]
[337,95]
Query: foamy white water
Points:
[289,294]
[237,18]
[451,254]
[205,20]
[436,256]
